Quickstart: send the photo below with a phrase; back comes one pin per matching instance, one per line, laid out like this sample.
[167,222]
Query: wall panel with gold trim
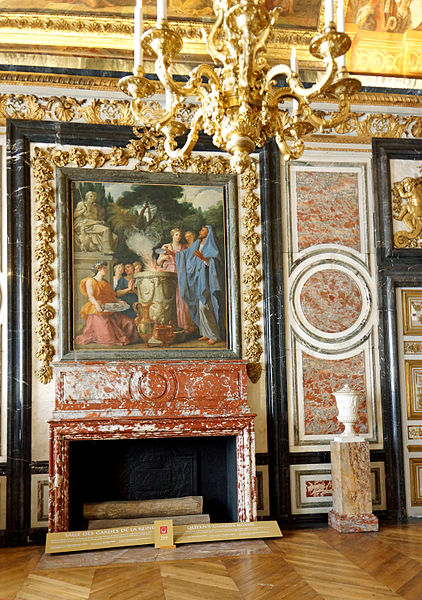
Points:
[330,291]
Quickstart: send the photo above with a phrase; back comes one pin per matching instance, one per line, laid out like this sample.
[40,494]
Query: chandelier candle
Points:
[328,12]
[294,68]
[238,99]
[340,16]
[161,10]
[341,60]
[138,51]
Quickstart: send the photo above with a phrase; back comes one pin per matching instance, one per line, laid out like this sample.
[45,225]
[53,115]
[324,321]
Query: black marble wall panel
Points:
[397,267]
[274,335]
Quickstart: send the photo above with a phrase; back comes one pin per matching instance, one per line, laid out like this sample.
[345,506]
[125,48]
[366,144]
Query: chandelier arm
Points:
[290,152]
[261,43]
[214,47]
[193,86]
[170,143]
[309,94]
[200,71]
[332,121]
[277,71]
[296,88]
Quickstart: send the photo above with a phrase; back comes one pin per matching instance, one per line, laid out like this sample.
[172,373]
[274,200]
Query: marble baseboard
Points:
[362,523]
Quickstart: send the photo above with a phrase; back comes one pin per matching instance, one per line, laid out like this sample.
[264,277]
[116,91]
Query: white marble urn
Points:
[347,400]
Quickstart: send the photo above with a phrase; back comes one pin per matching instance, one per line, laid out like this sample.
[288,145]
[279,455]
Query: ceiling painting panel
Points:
[301,14]
[387,37]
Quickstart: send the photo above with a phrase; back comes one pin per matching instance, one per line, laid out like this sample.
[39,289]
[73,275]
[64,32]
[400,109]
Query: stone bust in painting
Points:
[91,232]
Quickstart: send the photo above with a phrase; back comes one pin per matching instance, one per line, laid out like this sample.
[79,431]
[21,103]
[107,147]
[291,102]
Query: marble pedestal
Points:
[351,481]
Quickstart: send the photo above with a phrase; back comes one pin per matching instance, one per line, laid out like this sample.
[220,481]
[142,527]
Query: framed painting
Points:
[108,25]
[149,265]
[303,14]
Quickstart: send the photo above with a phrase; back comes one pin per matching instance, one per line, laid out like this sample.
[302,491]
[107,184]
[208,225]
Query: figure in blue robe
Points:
[199,272]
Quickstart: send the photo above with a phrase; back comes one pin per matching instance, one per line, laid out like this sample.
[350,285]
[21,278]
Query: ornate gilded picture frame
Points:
[150,265]
[412,311]
[413,376]
[40,241]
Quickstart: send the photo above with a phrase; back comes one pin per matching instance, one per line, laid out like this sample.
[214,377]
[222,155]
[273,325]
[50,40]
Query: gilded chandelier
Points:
[237,100]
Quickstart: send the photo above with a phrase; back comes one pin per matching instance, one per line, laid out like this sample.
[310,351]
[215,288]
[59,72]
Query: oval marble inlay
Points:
[331,301]
[153,386]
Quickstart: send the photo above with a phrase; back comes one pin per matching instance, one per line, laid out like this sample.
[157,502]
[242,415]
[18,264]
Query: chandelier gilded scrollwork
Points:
[238,100]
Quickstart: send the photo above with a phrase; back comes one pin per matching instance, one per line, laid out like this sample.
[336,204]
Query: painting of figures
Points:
[386,37]
[300,13]
[150,266]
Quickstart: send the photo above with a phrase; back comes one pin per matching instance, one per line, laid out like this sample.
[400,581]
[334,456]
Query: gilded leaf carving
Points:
[358,125]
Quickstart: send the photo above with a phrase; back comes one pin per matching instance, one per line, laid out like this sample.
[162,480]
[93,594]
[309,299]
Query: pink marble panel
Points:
[331,301]
[323,377]
[327,209]
[162,388]
[318,488]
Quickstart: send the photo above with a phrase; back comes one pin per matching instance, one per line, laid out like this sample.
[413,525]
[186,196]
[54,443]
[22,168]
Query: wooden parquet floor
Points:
[311,564]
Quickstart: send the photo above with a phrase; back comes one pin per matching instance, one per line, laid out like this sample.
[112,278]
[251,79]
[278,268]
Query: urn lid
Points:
[346,389]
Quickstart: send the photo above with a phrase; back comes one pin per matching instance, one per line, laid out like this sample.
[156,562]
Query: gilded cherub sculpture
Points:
[407,207]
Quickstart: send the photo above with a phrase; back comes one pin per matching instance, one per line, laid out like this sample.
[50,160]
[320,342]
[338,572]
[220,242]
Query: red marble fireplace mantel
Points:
[134,400]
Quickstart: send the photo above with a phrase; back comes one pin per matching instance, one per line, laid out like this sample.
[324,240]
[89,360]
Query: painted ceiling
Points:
[386,34]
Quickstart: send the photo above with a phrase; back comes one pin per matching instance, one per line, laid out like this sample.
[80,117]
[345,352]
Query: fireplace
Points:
[176,421]
[101,470]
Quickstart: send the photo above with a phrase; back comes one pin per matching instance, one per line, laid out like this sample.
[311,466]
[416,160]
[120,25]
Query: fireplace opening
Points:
[143,469]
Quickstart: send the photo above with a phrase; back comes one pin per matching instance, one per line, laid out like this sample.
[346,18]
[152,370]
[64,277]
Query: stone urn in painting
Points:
[347,401]
[158,290]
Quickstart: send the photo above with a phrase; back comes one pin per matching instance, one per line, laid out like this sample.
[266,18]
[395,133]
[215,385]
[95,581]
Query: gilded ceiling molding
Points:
[148,152]
[82,24]
[117,33]
[111,84]
[57,80]
[377,98]
[124,26]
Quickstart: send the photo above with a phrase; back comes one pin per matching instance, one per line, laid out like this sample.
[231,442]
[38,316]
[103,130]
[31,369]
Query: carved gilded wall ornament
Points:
[148,152]
[407,207]
[413,347]
[358,128]
[65,109]
[366,126]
